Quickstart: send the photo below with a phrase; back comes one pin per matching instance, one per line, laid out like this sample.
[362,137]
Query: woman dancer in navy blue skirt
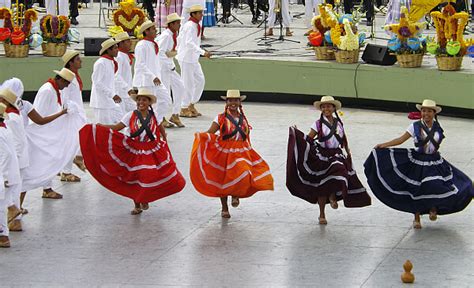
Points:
[419,180]
[318,171]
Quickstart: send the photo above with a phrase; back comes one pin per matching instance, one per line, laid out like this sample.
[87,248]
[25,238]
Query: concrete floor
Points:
[89,239]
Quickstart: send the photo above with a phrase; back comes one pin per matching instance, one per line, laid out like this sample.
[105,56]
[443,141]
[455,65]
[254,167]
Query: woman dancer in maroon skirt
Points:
[139,166]
[318,171]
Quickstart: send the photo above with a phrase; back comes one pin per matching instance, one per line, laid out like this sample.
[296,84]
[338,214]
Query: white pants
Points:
[285,13]
[12,197]
[51,7]
[108,116]
[3,217]
[310,7]
[172,80]
[163,100]
[194,82]
[127,105]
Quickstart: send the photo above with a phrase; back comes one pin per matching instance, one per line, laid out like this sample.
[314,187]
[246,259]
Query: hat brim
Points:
[336,103]
[62,76]
[102,51]
[143,28]
[242,97]
[151,97]
[71,57]
[437,109]
[174,20]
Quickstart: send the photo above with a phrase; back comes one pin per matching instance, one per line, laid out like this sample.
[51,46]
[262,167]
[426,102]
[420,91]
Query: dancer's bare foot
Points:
[225,214]
[433,214]
[417,221]
[136,211]
[333,201]
[322,221]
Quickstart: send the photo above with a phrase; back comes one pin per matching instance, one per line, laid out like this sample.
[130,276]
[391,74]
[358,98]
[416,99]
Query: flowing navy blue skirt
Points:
[313,171]
[409,181]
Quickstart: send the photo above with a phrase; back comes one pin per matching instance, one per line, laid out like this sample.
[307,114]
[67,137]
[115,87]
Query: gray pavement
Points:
[89,239]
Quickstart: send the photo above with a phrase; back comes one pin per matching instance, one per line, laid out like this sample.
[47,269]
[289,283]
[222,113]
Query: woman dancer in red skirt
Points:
[226,164]
[318,171]
[139,166]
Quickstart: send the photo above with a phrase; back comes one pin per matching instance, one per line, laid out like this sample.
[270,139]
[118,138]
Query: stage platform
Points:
[286,71]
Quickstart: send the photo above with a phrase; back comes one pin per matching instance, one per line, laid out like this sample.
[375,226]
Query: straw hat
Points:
[427,103]
[234,94]
[122,36]
[69,55]
[196,8]
[327,100]
[106,45]
[8,95]
[144,92]
[66,74]
[172,18]
[3,107]
[147,24]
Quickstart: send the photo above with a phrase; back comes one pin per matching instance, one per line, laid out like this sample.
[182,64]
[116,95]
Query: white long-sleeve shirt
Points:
[189,44]
[124,80]
[9,167]
[17,130]
[166,43]
[46,101]
[73,94]
[147,64]
[103,84]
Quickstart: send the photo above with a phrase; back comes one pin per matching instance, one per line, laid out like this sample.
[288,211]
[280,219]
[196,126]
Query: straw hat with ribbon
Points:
[327,100]
[69,55]
[3,107]
[106,45]
[196,8]
[66,74]
[427,103]
[147,24]
[122,36]
[172,18]
[144,92]
[234,94]
[8,95]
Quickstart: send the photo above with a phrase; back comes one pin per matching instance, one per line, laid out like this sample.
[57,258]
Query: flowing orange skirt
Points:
[227,168]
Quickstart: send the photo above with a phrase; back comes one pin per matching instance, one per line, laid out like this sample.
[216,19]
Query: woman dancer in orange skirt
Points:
[139,166]
[226,165]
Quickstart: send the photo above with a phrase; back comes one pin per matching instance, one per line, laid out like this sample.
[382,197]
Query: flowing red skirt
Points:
[227,168]
[142,171]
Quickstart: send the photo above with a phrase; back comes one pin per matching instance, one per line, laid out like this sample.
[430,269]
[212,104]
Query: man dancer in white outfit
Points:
[52,7]
[9,179]
[148,72]
[104,98]
[189,50]
[167,42]
[124,77]
[279,7]
[73,96]
[16,129]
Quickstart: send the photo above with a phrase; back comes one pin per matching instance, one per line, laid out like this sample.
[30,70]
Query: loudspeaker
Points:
[92,46]
[378,55]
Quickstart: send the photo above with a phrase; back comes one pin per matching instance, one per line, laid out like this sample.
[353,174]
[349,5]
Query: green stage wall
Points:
[453,89]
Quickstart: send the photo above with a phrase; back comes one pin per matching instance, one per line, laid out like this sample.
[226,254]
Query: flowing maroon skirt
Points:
[313,171]
[142,171]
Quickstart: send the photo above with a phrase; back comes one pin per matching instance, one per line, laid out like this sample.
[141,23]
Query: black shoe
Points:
[369,22]
[254,20]
[74,21]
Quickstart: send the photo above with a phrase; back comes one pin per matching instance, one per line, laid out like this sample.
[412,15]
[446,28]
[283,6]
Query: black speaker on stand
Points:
[378,55]
[92,46]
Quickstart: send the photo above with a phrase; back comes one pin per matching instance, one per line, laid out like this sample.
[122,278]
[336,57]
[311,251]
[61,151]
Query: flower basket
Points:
[54,49]
[134,44]
[324,53]
[449,63]
[410,60]
[16,51]
[347,56]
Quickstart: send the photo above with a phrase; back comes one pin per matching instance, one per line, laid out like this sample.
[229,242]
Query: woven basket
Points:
[449,63]
[324,53]
[134,43]
[410,60]
[16,51]
[347,57]
[54,49]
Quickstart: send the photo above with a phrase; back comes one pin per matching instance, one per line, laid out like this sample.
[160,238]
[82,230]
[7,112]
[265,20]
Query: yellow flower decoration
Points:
[406,28]
[449,25]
